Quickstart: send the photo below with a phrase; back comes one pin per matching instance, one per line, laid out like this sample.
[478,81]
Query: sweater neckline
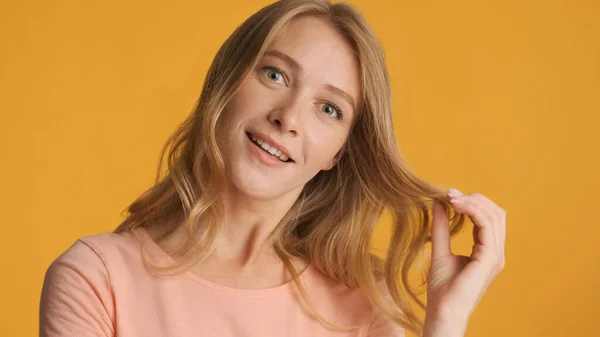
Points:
[159,253]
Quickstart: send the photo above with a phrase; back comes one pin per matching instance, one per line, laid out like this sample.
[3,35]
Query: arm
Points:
[76,297]
[438,328]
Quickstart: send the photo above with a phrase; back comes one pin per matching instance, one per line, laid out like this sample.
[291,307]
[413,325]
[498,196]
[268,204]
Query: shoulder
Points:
[77,294]
[380,324]
[111,245]
[96,256]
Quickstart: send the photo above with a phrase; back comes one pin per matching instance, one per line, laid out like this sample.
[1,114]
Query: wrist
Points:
[435,326]
[450,315]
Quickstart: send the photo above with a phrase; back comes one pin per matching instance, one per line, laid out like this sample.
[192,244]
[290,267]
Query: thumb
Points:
[440,232]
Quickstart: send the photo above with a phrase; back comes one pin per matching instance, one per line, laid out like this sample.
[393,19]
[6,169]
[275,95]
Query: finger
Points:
[475,198]
[440,232]
[498,218]
[478,278]
[492,206]
[503,231]
[499,222]
[493,212]
[486,233]
[476,235]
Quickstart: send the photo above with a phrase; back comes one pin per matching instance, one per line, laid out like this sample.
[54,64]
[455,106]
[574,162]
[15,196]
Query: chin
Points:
[256,178]
[250,182]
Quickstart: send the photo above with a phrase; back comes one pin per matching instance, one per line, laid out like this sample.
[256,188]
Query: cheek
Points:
[322,144]
[250,100]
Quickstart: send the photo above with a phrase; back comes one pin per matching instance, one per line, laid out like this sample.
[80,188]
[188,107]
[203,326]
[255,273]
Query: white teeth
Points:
[267,147]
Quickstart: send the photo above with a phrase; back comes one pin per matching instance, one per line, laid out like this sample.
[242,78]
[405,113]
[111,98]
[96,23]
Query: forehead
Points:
[324,55]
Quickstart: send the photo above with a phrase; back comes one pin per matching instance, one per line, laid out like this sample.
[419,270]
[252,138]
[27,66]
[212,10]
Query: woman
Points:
[261,224]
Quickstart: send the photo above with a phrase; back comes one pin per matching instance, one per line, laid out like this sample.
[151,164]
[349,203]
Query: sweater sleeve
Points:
[76,297]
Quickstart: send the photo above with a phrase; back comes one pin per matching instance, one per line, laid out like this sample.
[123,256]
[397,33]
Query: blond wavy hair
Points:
[331,223]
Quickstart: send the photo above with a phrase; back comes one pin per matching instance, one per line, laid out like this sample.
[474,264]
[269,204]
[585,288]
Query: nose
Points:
[287,116]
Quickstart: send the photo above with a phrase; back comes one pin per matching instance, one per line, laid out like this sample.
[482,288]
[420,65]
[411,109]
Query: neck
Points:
[247,223]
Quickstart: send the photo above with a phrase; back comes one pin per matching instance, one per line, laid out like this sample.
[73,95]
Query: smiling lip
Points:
[265,157]
[272,142]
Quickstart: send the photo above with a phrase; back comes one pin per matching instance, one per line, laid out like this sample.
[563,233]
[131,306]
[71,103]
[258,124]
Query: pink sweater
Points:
[100,287]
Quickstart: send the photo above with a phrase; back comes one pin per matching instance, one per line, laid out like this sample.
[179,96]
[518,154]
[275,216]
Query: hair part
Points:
[332,222]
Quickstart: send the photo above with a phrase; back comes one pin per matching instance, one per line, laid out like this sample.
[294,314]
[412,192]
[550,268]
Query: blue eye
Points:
[333,111]
[273,73]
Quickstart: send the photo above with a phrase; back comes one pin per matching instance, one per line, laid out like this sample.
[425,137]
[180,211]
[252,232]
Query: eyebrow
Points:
[298,68]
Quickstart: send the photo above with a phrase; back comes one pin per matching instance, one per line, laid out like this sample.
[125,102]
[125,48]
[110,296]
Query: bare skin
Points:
[296,109]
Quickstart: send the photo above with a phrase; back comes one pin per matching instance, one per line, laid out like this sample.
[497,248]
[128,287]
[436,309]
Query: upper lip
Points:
[271,142]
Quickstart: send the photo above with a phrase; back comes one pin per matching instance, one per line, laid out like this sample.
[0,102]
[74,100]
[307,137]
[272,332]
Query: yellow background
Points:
[499,97]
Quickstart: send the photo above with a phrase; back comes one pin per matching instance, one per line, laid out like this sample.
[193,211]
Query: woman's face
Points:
[300,100]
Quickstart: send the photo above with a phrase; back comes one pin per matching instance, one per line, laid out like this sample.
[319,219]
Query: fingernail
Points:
[453,192]
[457,201]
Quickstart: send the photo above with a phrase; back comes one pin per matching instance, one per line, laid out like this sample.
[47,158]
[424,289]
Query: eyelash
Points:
[340,114]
